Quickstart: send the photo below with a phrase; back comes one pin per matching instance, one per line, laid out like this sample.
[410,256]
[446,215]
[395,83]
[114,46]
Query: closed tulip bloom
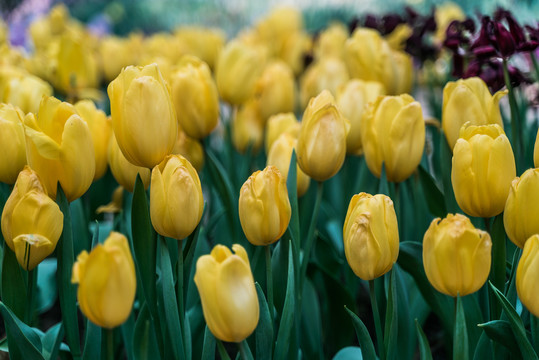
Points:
[280,155]
[117,53]
[324,74]
[176,204]
[522,208]
[483,169]
[352,99]
[279,124]
[536,152]
[189,148]
[404,73]
[456,255]
[331,41]
[275,89]
[59,148]
[322,138]
[248,127]
[468,100]
[371,235]
[31,221]
[238,67]
[264,206]
[527,274]
[143,117]
[101,130]
[25,92]
[227,292]
[195,97]
[202,42]
[13,143]
[123,171]
[107,282]
[393,133]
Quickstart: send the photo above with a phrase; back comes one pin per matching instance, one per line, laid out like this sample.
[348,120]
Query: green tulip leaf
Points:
[67,291]
[52,341]
[501,332]
[287,318]
[189,253]
[460,337]
[23,341]
[128,329]
[80,227]
[13,276]
[483,349]
[46,283]
[208,349]
[349,353]
[515,321]
[264,329]
[433,195]
[446,164]
[392,349]
[365,341]
[291,184]
[424,347]
[92,342]
[144,341]
[383,186]
[311,323]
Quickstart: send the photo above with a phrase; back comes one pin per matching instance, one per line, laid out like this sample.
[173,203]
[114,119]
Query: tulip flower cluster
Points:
[183,189]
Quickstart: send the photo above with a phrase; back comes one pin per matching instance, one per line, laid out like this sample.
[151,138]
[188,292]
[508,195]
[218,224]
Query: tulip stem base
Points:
[377,322]
[110,344]
[179,288]
[222,351]
[30,296]
[245,352]
[310,235]
[269,282]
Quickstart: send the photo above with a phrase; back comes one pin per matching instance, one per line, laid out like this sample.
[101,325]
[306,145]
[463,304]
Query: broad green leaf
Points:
[349,353]
[483,350]
[46,284]
[460,337]
[446,164]
[365,341]
[287,318]
[52,341]
[291,184]
[392,320]
[424,347]
[23,341]
[311,323]
[14,289]
[264,329]
[383,186]
[92,342]
[433,195]
[208,350]
[80,227]
[501,332]
[144,341]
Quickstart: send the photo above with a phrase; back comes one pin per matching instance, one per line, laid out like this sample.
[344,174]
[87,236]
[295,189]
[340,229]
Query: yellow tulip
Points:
[321,145]
[189,148]
[238,67]
[331,41]
[248,127]
[59,148]
[264,207]
[536,151]
[101,131]
[117,53]
[143,116]
[456,255]
[195,97]
[468,100]
[275,29]
[25,91]
[352,100]
[324,74]
[123,171]
[227,291]
[527,273]
[176,204]
[279,124]
[483,169]
[371,235]
[403,73]
[522,208]
[393,133]
[13,143]
[107,282]
[275,89]
[204,43]
[294,49]
[115,206]
[280,155]
[31,221]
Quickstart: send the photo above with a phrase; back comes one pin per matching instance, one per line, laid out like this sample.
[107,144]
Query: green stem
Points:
[515,118]
[179,289]
[269,282]
[377,323]
[310,235]
[110,344]
[497,272]
[245,352]
[30,295]
[221,349]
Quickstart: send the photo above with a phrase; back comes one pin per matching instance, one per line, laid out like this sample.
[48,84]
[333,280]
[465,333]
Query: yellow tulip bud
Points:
[274,29]
[325,74]
[59,148]
[404,73]
[456,255]
[275,89]
[371,235]
[13,143]
[123,171]
[31,221]
[280,155]
[143,117]
[25,91]
[176,204]
[238,67]
[204,43]
[107,282]
[248,127]
[331,41]
[536,151]
[522,207]
[483,169]
[195,97]
[352,99]
[101,131]
[189,148]
[321,145]
[227,291]
[527,273]
[294,49]
[393,133]
[77,65]
[264,207]
[468,100]
[279,124]
[117,53]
